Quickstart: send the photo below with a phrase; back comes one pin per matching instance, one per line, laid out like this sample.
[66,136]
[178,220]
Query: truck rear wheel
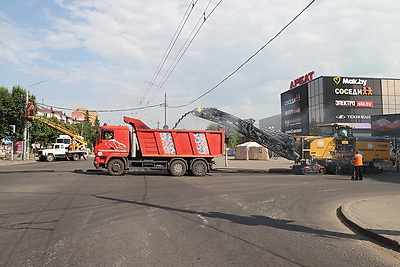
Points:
[75,157]
[50,157]
[177,168]
[116,167]
[199,168]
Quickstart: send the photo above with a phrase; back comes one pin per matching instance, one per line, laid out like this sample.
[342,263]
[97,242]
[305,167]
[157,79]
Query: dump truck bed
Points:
[173,143]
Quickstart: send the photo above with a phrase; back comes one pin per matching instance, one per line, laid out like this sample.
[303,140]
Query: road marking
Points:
[267,201]
[333,189]
[205,222]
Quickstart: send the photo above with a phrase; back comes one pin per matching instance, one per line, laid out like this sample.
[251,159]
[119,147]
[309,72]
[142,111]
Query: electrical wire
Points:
[246,61]
[161,83]
[189,40]
[105,110]
[214,87]
[171,45]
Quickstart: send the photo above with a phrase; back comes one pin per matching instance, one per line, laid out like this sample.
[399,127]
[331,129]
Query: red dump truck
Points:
[120,148]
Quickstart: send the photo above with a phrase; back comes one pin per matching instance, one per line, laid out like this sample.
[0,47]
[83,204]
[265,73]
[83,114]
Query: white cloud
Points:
[101,54]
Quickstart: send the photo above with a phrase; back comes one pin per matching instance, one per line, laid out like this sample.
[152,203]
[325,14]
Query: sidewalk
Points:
[278,165]
[377,218]
[4,162]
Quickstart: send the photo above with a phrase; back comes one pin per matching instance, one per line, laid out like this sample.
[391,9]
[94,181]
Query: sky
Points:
[122,57]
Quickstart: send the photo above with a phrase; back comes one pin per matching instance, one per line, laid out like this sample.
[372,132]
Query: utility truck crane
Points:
[71,148]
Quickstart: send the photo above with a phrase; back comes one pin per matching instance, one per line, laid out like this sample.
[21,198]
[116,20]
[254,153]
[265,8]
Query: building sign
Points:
[353,103]
[293,100]
[352,100]
[365,104]
[354,91]
[355,81]
[353,117]
[302,79]
[294,110]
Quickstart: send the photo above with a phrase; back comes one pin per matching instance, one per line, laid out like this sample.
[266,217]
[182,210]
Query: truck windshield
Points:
[107,134]
[63,141]
[326,130]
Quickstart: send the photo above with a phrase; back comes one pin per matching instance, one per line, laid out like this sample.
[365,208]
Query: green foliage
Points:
[12,106]
[90,130]
[5,110]
[44,134]
[233,138]
[213,127]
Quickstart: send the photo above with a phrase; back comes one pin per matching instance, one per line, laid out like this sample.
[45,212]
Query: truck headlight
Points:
[100,154]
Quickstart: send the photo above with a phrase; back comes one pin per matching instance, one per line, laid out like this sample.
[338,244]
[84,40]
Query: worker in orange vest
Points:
[73,145]
[358,165]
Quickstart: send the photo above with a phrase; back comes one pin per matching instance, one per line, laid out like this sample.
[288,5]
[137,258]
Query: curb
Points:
[27,171]
[238,170]
[377,238]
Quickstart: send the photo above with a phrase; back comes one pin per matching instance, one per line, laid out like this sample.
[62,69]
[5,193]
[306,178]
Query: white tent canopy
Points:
[251,151]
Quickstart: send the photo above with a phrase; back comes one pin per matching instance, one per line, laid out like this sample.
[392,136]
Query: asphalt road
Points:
[80,218]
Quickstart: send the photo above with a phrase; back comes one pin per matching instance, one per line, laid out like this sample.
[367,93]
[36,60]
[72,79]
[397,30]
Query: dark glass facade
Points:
[335,99]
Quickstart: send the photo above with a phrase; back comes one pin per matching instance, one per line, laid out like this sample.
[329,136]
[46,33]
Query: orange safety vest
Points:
[358,160]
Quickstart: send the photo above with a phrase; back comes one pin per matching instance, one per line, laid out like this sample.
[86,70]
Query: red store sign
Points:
[303,79]
[365,104]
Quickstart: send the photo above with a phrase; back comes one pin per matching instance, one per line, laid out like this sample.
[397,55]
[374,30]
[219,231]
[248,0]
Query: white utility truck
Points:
[62,149]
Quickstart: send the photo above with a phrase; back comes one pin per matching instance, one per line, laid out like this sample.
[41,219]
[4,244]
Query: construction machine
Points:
[71,146]
[81,143]
[331,152]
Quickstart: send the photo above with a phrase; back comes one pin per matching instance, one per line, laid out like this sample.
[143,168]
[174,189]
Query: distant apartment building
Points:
[58,114]
[79,115]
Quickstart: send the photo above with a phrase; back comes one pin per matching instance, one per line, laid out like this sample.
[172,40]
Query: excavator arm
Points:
[280,143]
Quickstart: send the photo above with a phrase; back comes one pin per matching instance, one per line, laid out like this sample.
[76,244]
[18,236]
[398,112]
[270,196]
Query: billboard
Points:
[352,100]
[294,111]
[385,125]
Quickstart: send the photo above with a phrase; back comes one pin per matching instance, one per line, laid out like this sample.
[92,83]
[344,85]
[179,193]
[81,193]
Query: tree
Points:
[5,110]
[12,106]
[90,130]
[233,138]
[44,134]
[213,127]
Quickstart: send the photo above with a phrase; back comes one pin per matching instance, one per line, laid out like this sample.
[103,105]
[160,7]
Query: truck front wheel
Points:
[50,157]
[199,168]
[116,167]
[177,168]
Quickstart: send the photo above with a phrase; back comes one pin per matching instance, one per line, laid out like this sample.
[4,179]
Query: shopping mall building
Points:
[337,99]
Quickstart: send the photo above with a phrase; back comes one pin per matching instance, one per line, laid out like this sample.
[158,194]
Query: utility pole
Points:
[25,140]
[25,143]
[165,108]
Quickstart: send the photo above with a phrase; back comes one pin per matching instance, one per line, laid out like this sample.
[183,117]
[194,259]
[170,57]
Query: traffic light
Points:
[12,129]
[12,132]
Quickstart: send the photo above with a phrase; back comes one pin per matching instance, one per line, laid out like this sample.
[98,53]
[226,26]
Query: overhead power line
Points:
[103,110]
[196,29]
[214,87]
[171,45]
[247,60]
